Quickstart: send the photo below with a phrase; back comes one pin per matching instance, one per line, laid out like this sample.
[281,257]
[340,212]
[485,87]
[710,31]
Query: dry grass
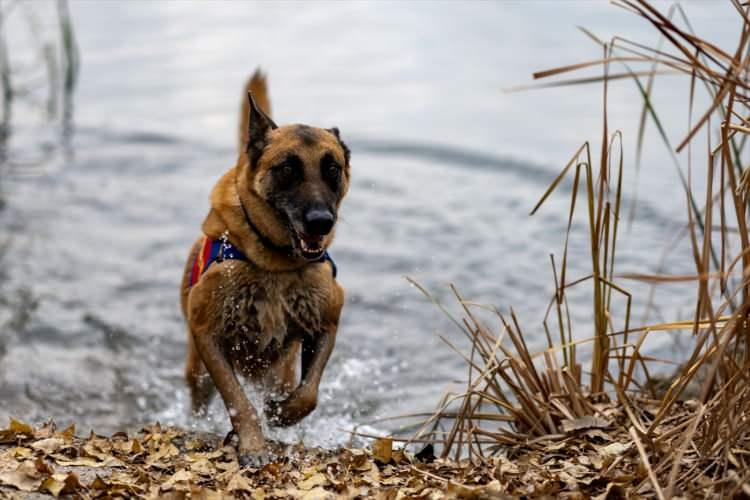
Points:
[516,402]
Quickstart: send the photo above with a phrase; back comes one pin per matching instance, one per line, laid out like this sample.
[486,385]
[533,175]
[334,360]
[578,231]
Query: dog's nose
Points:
[318,222]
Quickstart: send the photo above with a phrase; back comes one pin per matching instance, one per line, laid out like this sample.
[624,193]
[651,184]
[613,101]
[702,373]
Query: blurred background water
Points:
[100,206]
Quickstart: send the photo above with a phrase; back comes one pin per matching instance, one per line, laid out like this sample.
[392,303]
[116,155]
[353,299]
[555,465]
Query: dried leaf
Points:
[22,452]
[69,433]
[613,492]
[585,422]
[203,466]
[178,480]
[16,431]
[614,449]
[61,484]
[457,490]
[399,456]
[311,482]
[504,466]
[596,434]
[18,427]
[240,483]
[314,494]
[25,477]
[88,462]
[52,486]
[49,445]
[382,450]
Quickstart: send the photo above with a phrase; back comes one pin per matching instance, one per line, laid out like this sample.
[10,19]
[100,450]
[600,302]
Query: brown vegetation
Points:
[688,435]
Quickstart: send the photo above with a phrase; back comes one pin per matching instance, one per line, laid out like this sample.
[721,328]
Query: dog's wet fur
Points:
[263,317]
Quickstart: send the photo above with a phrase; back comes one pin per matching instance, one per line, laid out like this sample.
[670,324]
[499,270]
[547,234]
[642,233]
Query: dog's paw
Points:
[288,411]
[255,460]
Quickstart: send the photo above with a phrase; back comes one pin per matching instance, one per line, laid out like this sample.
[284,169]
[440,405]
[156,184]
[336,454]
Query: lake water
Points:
[446,168]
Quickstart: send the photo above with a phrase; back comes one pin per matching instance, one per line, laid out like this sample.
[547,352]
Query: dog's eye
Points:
[288,172]
[333,171]
[284,169]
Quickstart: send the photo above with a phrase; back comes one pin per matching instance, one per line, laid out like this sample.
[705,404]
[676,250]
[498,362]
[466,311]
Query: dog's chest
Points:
[261,309]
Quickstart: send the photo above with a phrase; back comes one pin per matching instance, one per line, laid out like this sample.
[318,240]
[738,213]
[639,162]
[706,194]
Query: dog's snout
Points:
[318,222]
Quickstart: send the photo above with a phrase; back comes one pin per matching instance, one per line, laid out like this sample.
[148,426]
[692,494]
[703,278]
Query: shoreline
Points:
[168,462]
[599,457]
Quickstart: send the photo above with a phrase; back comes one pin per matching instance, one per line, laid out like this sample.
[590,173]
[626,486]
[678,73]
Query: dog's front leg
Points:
[252,447]
[316,349]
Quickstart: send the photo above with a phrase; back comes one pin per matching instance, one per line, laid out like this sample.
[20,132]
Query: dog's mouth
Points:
[309,245]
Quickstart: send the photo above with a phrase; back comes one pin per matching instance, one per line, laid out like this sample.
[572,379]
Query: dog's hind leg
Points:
[201,386]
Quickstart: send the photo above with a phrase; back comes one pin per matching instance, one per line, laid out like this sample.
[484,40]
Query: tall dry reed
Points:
[514,397]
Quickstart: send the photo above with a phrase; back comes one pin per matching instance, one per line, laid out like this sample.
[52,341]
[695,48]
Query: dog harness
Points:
[220,250]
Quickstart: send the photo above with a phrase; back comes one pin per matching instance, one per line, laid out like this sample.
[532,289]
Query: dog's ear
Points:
[258,125]
[347,153]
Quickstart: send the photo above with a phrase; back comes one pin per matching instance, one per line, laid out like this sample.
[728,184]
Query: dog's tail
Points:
[257,85]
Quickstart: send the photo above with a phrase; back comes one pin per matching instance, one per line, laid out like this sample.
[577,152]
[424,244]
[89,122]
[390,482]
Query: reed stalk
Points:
[701,413]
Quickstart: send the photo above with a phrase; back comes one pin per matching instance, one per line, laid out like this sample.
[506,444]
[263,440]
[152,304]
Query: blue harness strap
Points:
[220,250]
[326,257]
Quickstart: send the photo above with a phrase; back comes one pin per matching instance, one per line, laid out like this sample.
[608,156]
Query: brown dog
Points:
[259,290]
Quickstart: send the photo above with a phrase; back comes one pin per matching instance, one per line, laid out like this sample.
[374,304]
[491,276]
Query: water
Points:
[446,168]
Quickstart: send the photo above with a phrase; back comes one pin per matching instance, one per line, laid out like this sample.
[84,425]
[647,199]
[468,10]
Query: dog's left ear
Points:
[258,125]
[347,153]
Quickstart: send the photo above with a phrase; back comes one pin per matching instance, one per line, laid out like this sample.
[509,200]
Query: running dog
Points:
[259,291]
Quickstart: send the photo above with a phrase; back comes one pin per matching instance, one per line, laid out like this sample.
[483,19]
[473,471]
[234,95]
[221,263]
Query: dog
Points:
[259,293]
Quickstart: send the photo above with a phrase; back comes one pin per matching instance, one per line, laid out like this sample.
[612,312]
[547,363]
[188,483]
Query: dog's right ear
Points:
[258,125]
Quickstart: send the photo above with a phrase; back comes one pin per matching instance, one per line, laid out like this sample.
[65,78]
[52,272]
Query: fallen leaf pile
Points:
[161,462]
[592,459]
[600,457]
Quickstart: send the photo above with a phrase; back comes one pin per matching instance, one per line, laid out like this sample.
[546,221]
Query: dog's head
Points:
[302,173]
